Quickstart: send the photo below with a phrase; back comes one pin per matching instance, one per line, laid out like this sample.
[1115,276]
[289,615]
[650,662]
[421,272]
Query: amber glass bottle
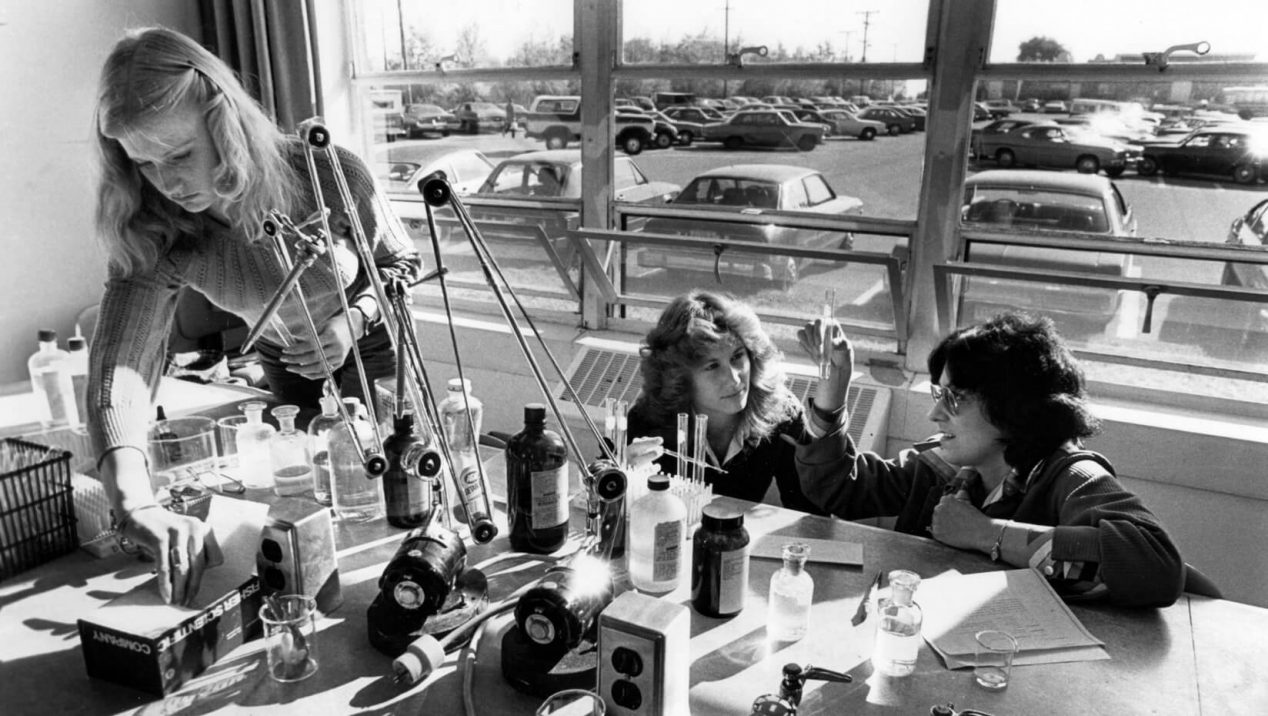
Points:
[537,485]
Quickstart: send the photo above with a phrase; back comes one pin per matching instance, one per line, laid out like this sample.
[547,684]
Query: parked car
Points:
[664,133]
[400,167]
[1222,328]
[764,128]
[751,188]
[1000,108]
[1107,125]
[849,124]
[556,120]
[1231,152]
[1055,106]
[556,174]
[999,126]
[1030,200]
[476,117]
[419,120]
[1032,105]
[814,116]
[895,120]
[1050,145]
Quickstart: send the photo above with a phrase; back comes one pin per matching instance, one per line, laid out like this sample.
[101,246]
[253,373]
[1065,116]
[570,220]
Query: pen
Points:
[694,461]
[860,614]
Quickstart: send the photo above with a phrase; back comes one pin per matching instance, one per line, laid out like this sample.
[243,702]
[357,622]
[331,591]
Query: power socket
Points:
[644,656]
[297,553]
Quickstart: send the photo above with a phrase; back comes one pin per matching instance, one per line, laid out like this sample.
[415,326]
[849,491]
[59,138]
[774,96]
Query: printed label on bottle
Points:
[733,580]
[666,550]
[550,497]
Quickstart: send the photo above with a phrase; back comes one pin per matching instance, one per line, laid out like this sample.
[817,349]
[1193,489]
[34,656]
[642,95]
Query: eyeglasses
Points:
[947,396]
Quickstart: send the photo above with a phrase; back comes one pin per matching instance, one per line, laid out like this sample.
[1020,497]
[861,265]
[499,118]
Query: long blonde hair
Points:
[150,73]
[687,329]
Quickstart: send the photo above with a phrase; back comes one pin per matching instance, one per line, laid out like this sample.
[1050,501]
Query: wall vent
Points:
[608,369]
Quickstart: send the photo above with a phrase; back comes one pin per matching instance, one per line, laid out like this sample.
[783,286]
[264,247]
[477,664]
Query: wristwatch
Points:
[999,541]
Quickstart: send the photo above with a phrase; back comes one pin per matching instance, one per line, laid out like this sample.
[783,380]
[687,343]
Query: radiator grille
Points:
[598,374]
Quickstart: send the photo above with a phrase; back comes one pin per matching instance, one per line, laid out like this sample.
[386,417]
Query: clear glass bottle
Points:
[898,626]
[537,485]
[355,495]
[658,526]
[51,380]
[319,444]
[77,361]
[255,467]
[289,455]
[791,593]
[463,444]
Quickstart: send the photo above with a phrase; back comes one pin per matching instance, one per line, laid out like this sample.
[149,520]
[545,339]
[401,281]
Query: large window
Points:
[782,156]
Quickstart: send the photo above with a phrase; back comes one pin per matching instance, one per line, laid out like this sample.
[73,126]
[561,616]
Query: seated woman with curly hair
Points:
[1008,475]
[709,355]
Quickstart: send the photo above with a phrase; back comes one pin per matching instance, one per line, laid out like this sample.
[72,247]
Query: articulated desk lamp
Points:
[429,599]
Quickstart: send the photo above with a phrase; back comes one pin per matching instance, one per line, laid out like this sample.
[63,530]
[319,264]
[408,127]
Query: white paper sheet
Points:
[823,551]
[1018,601]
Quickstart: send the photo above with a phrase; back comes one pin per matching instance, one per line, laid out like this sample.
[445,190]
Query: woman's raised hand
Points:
[825,342]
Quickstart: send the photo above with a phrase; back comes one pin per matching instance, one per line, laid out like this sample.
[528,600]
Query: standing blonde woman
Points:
[190,166]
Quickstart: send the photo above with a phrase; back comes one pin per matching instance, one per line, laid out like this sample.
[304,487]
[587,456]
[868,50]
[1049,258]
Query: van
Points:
[664,100]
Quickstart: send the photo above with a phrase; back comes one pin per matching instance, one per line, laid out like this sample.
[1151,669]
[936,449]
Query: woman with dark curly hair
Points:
[709,355]
[1008,475]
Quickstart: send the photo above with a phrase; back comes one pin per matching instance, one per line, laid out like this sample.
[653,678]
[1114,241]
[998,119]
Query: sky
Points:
[895,28]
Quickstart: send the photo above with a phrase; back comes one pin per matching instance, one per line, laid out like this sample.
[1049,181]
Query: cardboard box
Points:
[138,641]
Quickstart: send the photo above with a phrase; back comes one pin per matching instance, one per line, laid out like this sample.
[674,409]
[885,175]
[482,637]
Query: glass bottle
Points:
[255,467]
[289,454]
[77,362]
[658,525]
[51,380]
[319,444]
[463,444]
[719,562]
[791,593]
[898,626]
[355,495]
[537,485]
[407,494]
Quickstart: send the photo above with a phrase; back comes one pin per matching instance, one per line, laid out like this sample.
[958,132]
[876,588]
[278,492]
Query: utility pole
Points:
[726,40]
[867,20]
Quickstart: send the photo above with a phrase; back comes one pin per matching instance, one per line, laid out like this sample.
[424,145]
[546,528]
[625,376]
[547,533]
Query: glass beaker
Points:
[184,461]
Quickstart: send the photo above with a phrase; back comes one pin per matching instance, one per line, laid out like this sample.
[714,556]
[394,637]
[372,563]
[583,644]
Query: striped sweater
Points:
[239,274]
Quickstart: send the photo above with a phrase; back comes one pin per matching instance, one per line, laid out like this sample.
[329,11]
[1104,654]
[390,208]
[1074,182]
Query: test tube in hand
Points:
[825,334]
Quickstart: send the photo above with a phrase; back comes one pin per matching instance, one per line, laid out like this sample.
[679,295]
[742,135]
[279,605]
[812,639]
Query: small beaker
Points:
[572,702]
[290,636]
[183,455]
[994,659]
[227,432]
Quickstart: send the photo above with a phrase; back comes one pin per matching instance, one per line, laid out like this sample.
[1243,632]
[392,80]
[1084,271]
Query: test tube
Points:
[609,421]
[622,427]
[698,444]
[825,333]
[681,446]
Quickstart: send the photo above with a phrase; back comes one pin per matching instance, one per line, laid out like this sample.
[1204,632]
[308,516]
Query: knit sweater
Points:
[239,274]
[1098,521]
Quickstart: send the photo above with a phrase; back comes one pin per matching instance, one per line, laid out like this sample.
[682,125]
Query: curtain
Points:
[272,45]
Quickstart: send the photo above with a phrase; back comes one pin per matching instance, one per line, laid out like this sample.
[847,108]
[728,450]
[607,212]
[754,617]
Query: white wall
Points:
[50,57]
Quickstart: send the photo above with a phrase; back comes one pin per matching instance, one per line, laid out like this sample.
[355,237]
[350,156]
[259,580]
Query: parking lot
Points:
[885,174]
